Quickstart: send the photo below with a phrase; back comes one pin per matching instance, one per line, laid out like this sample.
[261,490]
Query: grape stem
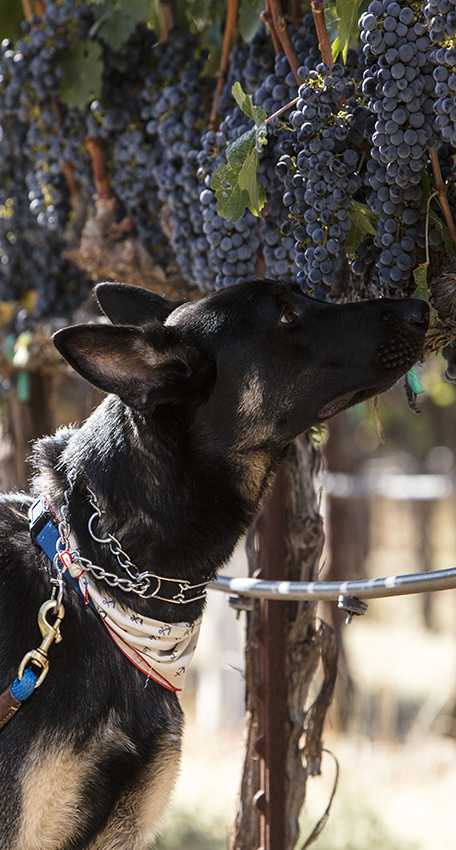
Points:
[100,177]
[296,13]
[67,170]
[277,23]
[426,233]
[266,17]
[56,113]
[27,9]
[318,11]
[228,40]
[441,192]
[282,109]
[125,226]
[168,17]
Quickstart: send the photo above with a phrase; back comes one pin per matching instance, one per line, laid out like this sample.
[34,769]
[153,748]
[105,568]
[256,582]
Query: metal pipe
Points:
[375,588]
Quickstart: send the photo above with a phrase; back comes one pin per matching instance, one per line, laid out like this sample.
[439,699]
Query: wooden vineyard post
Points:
[271,688]
[283,649]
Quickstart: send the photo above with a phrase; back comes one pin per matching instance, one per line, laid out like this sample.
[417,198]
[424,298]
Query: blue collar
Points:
[45,533]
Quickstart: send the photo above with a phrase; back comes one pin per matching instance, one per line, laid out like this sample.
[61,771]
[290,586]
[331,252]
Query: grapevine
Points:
[332,166]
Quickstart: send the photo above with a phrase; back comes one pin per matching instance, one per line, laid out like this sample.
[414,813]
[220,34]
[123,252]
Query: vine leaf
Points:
[444,232]
[249,20]
[235,182]
[82,77]
[363,223]
[245,102]
[427,191]
[11,16]
[421,291]
[116,20]
[347,12]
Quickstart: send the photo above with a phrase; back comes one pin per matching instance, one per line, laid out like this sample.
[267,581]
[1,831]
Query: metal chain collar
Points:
[135,582]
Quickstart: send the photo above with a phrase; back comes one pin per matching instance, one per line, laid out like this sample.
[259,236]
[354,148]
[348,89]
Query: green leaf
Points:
[363,223]
[332,22]
[413,381]
[444,232]
[115,20]
[347,12]
[420,275]
[249,20]
[235,183]
[245,102]
[154,14]
[11,16]
[421,291]
[82,78]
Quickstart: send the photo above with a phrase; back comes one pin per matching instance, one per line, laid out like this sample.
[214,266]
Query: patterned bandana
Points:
[161,650]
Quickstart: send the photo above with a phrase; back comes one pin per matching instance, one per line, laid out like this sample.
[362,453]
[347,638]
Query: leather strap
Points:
[8,706]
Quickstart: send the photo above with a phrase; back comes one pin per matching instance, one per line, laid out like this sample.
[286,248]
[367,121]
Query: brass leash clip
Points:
[50,634]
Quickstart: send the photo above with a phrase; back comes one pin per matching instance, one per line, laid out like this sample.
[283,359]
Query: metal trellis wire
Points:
[323,591]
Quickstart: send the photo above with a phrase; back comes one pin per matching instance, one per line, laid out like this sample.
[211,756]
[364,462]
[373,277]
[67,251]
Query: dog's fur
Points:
[204,400]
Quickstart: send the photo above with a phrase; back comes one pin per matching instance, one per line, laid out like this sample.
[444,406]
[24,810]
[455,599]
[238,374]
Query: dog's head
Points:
[258,362]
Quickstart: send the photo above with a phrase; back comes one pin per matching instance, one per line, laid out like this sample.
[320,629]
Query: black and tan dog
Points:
[159,484]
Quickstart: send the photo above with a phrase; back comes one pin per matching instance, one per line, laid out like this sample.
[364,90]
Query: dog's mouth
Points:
[336,405]
[351,398]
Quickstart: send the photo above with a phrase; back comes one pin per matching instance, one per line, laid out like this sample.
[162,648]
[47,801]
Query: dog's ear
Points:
[132,305]
[144,367]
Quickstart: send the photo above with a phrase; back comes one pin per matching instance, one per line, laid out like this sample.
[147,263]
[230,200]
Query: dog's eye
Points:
[289,315]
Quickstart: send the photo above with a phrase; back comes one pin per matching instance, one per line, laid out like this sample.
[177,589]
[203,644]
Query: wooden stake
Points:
[278,25]
[228,40]
[100,177]
[318,11]
[27,9]
[442,190]
[168,18]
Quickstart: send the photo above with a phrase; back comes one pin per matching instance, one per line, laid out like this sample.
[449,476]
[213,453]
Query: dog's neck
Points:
[176,510]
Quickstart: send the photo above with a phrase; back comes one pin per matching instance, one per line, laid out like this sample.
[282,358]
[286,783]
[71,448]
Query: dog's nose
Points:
[417,312]
[414,311]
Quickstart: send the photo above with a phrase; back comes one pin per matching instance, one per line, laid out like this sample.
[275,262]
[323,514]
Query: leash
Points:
[161,650]
[27,679]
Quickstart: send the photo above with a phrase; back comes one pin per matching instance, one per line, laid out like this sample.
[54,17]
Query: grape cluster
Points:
[232,247]
[441,16]
[280,87]
[357,133]
[30,254]
[134,161]
[321,178]
[277,90]
[399,83]
[173,108]
[225,252]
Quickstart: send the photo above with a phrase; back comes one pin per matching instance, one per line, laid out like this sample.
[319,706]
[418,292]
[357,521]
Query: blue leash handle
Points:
[23,688]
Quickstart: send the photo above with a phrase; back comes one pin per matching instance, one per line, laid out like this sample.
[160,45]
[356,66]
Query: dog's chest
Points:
[65,795]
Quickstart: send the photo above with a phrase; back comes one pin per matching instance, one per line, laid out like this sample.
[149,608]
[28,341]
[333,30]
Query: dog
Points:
[149,497]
